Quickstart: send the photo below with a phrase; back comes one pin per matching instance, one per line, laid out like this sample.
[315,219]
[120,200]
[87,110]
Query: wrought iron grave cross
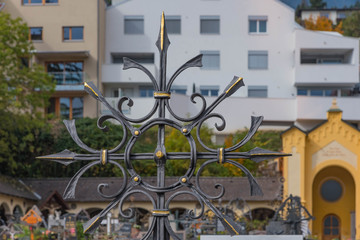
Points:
[160,226]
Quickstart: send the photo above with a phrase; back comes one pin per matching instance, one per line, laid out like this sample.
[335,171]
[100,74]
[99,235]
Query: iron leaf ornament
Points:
[160,226]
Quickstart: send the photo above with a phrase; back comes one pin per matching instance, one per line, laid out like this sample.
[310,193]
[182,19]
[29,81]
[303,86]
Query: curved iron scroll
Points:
[160,227]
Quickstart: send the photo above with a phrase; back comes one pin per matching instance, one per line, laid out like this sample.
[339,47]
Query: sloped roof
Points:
[14,187]
[86,190]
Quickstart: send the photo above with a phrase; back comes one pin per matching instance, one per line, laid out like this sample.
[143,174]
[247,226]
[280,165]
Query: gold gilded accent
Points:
[238,80]
[137,132]
[184,130]
[70,158]
[231,227]
[160,212]
[159,154]
[183,180]
[91,225]
[87,85]
[103,161]
[157,94]
[221,155]
[136,179]
[162,31]
[267,154]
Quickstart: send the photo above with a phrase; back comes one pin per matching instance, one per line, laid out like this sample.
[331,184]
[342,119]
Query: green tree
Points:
[351,25]
[24,85]
[269,140]
[322,24]
[24,92]
[318,4]
[146,143]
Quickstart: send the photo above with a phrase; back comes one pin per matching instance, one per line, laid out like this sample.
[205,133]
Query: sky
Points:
[330,3]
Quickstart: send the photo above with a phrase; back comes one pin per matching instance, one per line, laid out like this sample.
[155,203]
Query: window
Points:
[35,33]
[324,14]
[179,89]
[318,92]
[258,60]
[302,92]
[212,91]
[331,190]
[66,73]
[326,56]
[257,91]
[144,58]
[347,92]
[39,2]
[73,33]
[146,91]
[210,59]
[331,227]
[334,59]
[173,24]
[67,107]
[209,24]
[257,24]
[134,25]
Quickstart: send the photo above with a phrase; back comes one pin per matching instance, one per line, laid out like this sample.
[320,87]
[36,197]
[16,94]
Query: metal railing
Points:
[68,78]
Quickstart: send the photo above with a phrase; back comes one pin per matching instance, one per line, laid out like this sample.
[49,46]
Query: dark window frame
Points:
[212,53]
[263,89]
[134,18]
[70,33]
[177,20]
[258,20]
[64,80]
[43,2]
[258,53]
[208,18]
[31,35]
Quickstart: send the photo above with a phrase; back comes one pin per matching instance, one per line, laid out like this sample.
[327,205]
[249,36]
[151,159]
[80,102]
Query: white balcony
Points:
[114,73]
[315,108]
[326,74]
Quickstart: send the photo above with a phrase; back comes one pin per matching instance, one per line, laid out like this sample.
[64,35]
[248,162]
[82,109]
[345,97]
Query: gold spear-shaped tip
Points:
[65,157]
[91,225]
[163,41]
[258,154]
[162,31]
[91,89]
[234,85]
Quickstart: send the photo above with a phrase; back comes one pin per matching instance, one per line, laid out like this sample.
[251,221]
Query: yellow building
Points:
[68,37]
[324,171]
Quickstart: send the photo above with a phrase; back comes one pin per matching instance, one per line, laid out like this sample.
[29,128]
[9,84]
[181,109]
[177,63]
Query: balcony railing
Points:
[68,78]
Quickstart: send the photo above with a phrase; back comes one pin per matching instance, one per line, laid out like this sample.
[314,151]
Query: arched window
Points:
[331,227]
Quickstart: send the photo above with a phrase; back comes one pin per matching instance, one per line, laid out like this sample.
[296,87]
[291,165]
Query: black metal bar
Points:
[160,227]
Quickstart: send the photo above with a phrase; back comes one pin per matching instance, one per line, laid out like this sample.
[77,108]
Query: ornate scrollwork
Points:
[160,227]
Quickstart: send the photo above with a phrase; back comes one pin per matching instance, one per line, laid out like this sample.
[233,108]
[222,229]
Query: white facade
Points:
[255,39]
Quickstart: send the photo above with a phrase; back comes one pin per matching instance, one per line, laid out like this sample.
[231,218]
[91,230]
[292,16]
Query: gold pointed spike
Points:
[87,86]
[162,31]
[235,83]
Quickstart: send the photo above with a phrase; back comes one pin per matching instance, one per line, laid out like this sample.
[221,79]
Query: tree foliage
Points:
[146,143]
[24,92]
[269,140]
[322,24]
[318,4]
[23,88]
[351,25]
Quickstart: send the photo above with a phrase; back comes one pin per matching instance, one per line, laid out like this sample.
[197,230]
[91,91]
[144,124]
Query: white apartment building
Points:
[290,74]
[336,15]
